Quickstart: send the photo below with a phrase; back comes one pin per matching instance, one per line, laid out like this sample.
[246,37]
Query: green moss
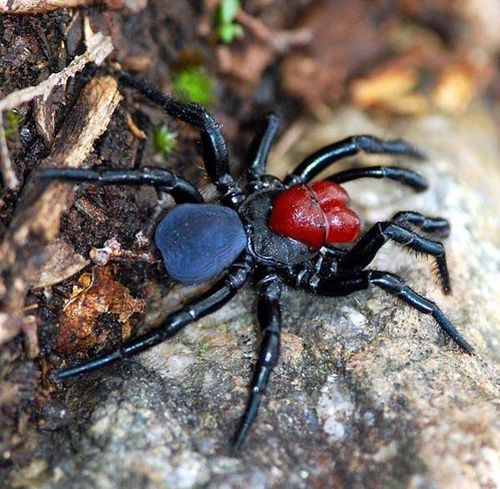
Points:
[164,140]
[194,84]
[226,29]
[11,122]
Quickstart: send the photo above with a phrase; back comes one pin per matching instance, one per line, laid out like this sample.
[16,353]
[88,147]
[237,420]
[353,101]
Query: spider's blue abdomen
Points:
[199,241]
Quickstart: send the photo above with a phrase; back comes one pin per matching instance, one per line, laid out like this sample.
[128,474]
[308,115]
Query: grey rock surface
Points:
[368,394]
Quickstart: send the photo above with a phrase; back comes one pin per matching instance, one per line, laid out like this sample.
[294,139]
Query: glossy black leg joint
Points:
[321,159]
[402,175]
[224,290]
[367,247]
[164,180]
[269,315]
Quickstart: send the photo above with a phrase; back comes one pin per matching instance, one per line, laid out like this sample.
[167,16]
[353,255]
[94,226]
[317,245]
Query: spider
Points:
[283,233]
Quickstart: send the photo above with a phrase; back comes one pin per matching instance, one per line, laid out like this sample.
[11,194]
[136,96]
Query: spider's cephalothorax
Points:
[280,232]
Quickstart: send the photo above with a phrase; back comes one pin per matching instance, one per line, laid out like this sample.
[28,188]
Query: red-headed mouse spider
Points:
[282,233]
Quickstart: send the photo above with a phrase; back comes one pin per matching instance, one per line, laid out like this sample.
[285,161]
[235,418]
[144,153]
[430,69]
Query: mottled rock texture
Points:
[368,394]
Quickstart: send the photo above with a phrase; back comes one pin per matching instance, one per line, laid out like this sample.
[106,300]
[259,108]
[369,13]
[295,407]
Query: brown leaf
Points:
[396,87]
[97,294]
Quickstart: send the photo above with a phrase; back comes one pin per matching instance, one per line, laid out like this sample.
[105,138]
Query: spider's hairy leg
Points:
[366,248]
[360,280]
[218,295]
[162,179]
[269,315]
[323,158]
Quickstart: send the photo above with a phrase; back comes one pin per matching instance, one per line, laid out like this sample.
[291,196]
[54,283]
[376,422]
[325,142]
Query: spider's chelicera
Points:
[279,232]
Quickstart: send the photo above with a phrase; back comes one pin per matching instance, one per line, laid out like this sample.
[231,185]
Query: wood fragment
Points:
[62,262]
[36,220]
[43,6]
[45,119]
[112,250]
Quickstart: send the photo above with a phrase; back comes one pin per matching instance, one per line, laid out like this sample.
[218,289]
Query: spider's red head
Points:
[314,214]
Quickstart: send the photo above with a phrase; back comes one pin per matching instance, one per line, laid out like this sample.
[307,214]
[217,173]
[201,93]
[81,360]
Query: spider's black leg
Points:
[269,314]
[391,283]
[162,179]
[214,149]
[260,148]
[401,175]
[321,159]
[210,301]
[366,248]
